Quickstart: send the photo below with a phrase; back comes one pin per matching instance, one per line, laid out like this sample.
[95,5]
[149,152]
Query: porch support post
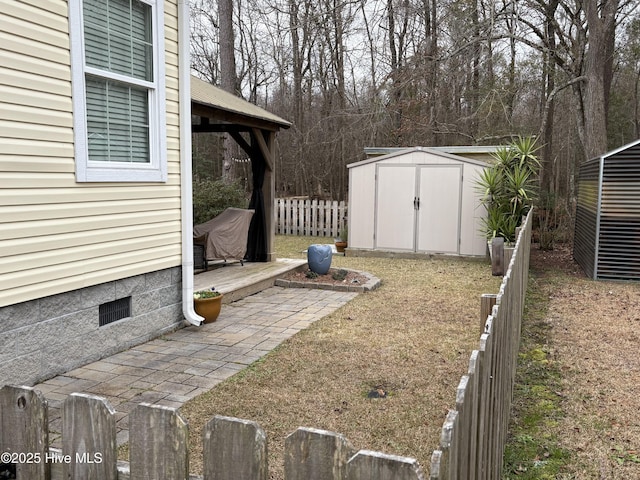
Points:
[267,148]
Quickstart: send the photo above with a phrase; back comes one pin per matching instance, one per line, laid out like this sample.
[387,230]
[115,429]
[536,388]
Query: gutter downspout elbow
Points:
[186,194]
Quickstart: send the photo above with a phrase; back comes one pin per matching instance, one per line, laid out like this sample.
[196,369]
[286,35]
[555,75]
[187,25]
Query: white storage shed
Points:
[416,200]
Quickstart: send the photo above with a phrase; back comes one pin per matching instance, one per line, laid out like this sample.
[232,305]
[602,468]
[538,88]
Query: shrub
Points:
[212,197]
[508,188]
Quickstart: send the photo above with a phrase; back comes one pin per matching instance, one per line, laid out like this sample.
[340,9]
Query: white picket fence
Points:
[318,218]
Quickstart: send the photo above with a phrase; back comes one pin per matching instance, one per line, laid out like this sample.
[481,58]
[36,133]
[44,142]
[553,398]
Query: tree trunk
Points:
[228,78]
[549,83]
[598,70]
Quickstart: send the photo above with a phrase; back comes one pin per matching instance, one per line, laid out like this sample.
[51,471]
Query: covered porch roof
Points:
[228,111]
[215,110]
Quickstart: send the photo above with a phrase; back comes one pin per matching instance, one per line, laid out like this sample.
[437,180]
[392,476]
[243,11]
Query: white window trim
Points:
[88,171]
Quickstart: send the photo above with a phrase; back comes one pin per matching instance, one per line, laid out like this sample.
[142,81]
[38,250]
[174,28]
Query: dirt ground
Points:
[594,333]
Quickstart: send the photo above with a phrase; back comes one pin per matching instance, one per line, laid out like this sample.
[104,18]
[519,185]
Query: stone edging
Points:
[371,284]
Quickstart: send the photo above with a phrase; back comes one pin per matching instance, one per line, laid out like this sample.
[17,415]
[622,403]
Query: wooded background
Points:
[355,73]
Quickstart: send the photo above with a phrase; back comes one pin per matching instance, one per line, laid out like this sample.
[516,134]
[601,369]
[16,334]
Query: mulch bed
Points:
[335,276]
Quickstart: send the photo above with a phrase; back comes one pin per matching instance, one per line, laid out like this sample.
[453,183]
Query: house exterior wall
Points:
[362,198]
[67,247]
[58,235]
[48,336]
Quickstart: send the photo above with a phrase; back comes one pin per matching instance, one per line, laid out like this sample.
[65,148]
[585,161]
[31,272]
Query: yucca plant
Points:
[508,187]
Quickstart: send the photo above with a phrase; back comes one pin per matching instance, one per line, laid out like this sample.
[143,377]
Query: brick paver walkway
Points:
[179,366]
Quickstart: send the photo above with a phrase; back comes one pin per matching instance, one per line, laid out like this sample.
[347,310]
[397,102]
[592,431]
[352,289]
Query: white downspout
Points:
[186,194]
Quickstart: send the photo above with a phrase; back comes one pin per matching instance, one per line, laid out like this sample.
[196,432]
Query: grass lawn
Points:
[411,337]
[577,398]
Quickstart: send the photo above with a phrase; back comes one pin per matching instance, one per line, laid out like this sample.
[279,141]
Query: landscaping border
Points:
[371,284]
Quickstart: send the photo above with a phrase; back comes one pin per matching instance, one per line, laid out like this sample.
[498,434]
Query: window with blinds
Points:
[118,39]
[118,88]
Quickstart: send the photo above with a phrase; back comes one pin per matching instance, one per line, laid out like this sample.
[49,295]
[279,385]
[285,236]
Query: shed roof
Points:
[207,95]
[432,151]
[618,150]
[454,149]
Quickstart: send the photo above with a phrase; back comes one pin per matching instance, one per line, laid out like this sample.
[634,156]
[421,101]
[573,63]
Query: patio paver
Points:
[179,366]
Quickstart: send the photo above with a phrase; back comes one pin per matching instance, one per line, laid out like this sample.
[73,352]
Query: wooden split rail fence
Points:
[233,449]
[474,433]
[318,218]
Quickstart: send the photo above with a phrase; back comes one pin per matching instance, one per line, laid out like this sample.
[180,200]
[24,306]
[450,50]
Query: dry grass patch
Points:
[596,339]
[590,346]
[411,338]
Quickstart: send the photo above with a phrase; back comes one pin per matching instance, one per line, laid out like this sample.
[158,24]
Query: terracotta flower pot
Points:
[209,308]
[340,245]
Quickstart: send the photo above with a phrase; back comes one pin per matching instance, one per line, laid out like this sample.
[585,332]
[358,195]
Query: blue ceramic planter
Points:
[319,258]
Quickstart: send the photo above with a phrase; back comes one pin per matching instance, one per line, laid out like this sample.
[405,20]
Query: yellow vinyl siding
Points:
[57,235]
[69,241]
[87,225]
[61,180]
[34,82]
[29,131]
[85,193]
[27,148]
[97,271]
[20,54]
[29,98]
[17,163]
[105,246]
[24,213]
[17,113]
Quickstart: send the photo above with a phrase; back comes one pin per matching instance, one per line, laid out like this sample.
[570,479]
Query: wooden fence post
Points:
[314,218]
[24,430]
[234,449]
[463,407]
[158,443]
[312,454]
[473,410]
[508,253]
[437,465]
[380,466]
[448,448]
[487,301]
[497,256]
[89,438]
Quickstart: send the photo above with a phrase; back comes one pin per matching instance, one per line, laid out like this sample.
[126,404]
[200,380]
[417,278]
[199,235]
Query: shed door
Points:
[438,219]
[395,215]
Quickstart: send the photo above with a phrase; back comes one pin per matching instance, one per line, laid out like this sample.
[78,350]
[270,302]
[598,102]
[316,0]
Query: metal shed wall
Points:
[585,235]
[607,230]
[619,236]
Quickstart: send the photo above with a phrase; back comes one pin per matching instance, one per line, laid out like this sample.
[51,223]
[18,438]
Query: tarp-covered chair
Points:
[223,237]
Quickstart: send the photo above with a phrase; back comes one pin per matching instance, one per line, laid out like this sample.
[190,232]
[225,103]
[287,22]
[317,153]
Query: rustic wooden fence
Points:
[474,433]
[471,443]
[319,218]
[233,449]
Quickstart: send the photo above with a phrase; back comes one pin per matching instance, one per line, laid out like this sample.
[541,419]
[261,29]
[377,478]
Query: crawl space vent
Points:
[113,311]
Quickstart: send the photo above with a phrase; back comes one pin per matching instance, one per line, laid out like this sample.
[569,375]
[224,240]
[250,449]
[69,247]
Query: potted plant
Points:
[207,304]
[508,188]
[342,240]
